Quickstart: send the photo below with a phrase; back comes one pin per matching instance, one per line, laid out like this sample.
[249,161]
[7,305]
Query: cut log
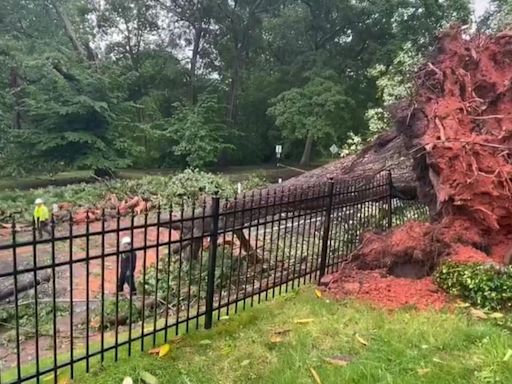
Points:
[25,283]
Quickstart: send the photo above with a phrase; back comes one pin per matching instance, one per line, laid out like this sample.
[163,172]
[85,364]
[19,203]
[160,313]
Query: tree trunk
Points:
[69,29]
[198,34]
[15,85]
[25,283]
[386,153]
[233,93]
[306,155]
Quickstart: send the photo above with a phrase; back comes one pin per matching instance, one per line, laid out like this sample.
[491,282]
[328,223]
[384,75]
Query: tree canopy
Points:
[90,84]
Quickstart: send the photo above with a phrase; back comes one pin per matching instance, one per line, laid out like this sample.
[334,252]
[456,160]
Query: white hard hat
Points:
[39,201]
[126,240]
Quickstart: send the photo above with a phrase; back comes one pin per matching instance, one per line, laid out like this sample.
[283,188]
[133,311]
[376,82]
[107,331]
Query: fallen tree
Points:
[450,148]
[458,129]
[386,154]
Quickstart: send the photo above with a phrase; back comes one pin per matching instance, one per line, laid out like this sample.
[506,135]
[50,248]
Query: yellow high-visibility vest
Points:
[41,213]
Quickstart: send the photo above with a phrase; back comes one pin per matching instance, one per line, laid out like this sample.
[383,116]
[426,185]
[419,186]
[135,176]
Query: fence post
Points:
[327,229]
[212,263]
[390,200]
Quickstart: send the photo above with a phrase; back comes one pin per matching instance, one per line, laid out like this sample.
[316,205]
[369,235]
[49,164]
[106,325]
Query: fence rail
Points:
[62,308]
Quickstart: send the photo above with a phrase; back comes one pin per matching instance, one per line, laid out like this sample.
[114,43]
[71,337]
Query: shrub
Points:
[485,286]
[123,313]
[176,283]
[26,322]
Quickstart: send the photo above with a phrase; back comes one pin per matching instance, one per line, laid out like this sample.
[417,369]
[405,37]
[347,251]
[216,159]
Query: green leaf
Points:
[148,378]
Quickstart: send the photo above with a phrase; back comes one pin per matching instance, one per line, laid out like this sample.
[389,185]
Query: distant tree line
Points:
[104,84]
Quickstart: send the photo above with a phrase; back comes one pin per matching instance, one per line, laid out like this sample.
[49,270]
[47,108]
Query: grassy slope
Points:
[446,348]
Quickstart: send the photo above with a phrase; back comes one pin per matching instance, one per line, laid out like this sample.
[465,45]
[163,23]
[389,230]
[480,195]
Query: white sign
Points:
[334,149]
[279,149]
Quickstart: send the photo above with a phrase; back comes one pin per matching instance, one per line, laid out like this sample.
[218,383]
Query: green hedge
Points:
[484,286]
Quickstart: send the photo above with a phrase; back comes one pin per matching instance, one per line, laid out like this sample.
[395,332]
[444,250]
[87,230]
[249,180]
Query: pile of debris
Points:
[110,208]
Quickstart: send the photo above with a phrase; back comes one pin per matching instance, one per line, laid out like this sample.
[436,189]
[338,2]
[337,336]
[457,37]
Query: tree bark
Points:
[198,35]
[25,283]
[15,84]
[233,91]
[386,154]
[306,155]
[69,29]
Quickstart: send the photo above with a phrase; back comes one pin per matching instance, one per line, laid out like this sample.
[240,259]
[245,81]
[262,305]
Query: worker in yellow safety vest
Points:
[42,218]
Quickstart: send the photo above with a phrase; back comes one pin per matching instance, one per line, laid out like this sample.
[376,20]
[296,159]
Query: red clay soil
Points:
[378,288]
[459,129]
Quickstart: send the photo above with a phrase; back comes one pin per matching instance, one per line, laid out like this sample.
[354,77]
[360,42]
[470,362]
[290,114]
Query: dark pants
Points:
[43,226]
[127,272]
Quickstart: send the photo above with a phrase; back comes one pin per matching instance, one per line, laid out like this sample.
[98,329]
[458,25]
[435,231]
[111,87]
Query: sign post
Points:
[334,150]
[279,151]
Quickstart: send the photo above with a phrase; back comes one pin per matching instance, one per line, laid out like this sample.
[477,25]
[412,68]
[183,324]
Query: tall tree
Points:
[163,63]
[239,33]
[311,113]
[68,27]
[350,38]
[196,17]
[128,27]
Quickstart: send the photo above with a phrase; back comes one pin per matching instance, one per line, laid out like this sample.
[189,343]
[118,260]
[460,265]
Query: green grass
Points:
[403,347]
[61,179]
[235,173]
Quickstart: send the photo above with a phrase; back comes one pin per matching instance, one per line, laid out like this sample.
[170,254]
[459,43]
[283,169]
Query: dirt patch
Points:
[415,249]
[382,290]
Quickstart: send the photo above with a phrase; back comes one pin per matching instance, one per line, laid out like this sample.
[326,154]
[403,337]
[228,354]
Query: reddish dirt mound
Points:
[466,254]
[419,244]
[459,129]
[377,287]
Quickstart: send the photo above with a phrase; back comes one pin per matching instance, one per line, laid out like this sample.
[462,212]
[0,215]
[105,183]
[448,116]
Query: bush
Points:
[176,283]
[26,322]
[485,286]
[123,313]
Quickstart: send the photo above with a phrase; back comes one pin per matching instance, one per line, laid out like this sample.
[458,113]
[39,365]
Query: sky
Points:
[480,7]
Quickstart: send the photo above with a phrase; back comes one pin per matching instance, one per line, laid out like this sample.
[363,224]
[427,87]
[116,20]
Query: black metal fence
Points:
[61,311]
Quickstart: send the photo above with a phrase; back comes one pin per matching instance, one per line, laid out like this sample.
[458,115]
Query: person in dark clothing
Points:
[128,261]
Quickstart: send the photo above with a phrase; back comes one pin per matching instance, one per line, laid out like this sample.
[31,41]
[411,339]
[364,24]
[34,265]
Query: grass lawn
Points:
[235,173]
[266,345]
[63,178]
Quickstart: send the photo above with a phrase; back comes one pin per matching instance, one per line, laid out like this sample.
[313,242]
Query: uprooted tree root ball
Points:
[459,132]
[415,249]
